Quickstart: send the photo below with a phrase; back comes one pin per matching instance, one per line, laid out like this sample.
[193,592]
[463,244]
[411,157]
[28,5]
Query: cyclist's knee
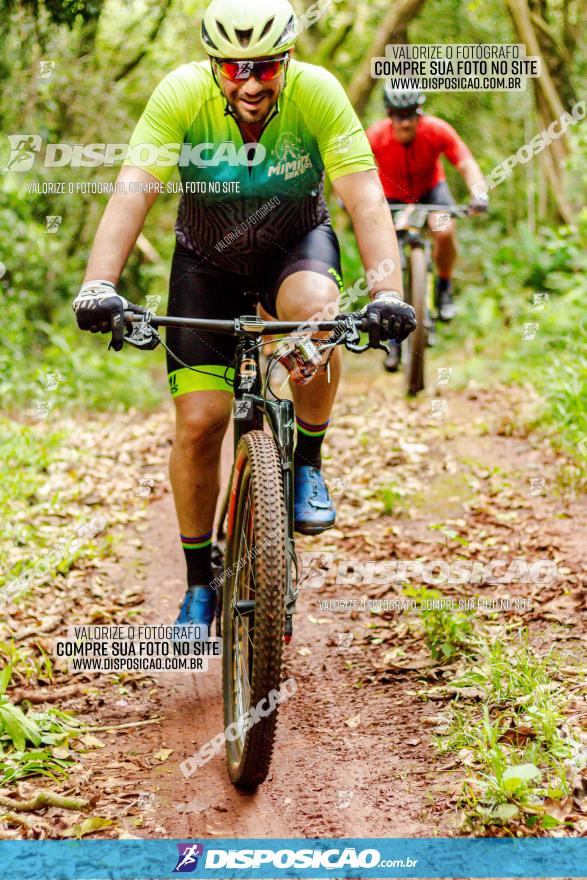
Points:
[201,419]
[442,233]
[305,295]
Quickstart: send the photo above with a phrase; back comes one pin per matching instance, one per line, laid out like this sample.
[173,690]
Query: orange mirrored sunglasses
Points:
[264,71]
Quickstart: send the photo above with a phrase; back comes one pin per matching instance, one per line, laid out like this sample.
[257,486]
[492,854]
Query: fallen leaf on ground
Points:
[162,755]
[91,741]
[88,826]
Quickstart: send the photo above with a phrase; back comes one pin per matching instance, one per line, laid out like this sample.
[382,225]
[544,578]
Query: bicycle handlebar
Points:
[453,210]
[251,325]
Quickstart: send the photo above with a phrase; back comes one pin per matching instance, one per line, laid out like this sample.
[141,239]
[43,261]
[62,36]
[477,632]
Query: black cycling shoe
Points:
[393,359]
[444,301]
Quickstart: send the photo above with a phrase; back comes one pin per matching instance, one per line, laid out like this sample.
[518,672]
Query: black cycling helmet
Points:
[398,99]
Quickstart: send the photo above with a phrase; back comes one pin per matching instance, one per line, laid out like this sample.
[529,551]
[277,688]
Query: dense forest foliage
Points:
[81,72]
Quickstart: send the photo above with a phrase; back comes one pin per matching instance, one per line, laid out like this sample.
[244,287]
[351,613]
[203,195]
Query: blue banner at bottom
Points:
[361,858]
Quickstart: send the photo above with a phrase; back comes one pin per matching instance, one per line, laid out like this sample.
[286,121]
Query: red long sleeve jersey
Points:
[407,171]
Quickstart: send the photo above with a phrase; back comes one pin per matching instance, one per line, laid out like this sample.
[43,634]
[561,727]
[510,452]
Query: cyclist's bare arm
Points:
[470,172]
[120,225]
[363,198]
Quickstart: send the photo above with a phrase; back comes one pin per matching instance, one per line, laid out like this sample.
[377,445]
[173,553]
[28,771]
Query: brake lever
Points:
[143,335]
[353,337]
[360,348]
[350,346]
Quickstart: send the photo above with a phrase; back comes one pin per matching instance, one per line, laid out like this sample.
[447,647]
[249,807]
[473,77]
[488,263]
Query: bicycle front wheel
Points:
[253,608]
[416,341]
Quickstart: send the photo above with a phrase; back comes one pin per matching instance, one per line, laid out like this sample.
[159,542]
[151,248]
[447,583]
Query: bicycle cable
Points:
[337,333]
[197,369]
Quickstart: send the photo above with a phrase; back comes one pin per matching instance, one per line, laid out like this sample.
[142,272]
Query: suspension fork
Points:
[246,381]
[280,415]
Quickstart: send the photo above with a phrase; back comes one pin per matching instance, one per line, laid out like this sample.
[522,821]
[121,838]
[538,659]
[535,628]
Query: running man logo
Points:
[187,860]
[22,151]
[290,157]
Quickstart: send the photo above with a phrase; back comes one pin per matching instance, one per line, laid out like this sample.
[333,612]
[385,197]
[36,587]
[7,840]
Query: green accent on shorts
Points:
[337,278]
[211,378]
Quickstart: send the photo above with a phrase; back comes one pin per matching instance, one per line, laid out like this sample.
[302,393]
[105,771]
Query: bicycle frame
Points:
[411,222]
[411,227]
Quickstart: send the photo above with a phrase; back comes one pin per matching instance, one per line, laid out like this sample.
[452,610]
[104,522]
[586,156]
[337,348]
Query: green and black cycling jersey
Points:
[246,202]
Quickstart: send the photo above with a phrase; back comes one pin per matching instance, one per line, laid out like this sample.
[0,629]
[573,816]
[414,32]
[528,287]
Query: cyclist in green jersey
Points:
[252,132]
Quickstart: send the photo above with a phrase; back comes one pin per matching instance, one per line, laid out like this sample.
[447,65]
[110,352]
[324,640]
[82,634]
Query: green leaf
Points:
[514,777]
[506,811]
[550,821]
[17,724]
[5,677]
[12,727]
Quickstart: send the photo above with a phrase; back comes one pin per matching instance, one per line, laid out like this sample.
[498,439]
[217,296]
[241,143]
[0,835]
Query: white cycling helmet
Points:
[248,28]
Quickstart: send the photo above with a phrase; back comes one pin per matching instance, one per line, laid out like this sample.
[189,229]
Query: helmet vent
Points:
[267,28]
[244,37]
[287,33]
[207,38]
[222,30]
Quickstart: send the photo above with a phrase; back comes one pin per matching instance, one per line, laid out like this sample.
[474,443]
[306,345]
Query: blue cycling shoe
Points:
[199,607]
[313,510]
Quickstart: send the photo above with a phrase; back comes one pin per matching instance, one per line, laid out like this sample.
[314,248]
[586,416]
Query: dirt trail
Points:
[316,756]
[326,779]
[354,753]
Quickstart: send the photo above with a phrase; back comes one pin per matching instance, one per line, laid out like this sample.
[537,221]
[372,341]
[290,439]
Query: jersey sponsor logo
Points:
[290,158]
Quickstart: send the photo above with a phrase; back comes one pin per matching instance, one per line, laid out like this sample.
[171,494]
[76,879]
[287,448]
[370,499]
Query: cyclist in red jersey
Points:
[407,147]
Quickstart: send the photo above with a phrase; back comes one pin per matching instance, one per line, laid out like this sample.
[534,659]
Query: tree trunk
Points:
[552,174]
[551,89]
[391,30]
[544,84]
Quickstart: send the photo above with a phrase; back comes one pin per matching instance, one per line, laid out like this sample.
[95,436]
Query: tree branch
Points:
[329,45]
[134,62]
[396,20]
[45,799]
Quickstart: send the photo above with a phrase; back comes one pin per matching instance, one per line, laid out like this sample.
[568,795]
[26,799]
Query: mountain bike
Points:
[416,260]
[254,552]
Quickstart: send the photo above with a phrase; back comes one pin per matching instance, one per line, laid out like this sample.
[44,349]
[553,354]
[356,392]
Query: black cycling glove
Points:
[389,317]
[100,309]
